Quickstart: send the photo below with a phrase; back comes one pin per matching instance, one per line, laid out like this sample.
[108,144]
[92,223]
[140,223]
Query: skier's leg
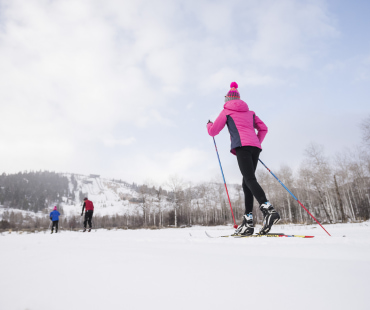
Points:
[56,226]
[247,159]
[270,215]
[246,156]
[248,198]
[86,218]
[90,218]
[246,227]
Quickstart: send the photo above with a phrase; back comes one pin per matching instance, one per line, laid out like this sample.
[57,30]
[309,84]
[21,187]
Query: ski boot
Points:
[84,229]
[89,229]
[270,217]
[246,227]
[51,232]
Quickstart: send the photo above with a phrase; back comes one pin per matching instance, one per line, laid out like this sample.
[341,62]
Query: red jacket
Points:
[89,205]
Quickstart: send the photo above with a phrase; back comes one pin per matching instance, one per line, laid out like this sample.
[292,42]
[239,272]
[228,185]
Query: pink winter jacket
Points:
[241,124]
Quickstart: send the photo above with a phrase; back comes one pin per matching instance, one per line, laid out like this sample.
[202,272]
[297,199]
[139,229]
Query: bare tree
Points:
[286,175]
[144,203]
[175,184]
[339,200]
[158,201]
[365,127]
[319,172]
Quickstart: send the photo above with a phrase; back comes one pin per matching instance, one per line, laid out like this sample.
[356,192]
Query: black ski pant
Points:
[55,223]
[88,217]
[247,160]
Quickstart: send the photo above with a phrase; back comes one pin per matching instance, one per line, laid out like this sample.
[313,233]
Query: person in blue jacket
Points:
[54,217]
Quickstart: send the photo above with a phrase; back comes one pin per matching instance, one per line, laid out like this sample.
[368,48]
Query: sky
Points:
[124,89]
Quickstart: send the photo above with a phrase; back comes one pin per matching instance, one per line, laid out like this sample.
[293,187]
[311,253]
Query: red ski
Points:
[257,235]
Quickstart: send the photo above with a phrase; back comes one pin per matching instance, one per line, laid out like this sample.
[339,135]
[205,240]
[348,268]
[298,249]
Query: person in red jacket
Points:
[89,206]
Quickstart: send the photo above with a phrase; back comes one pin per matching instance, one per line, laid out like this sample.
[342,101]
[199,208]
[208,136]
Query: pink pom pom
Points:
[233,84]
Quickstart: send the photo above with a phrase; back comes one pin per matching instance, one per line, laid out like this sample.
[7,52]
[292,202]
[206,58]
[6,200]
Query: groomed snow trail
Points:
[169,269]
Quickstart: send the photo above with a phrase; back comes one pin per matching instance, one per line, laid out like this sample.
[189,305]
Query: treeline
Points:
[334,190]
[32,191]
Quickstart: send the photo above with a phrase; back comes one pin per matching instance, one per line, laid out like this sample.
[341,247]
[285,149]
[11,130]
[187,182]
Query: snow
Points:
[109,197]
[169,269]
[25,213]
[112,197]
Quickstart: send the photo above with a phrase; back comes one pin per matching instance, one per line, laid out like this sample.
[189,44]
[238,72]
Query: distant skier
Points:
[246,145]
[54,217]
[88,214]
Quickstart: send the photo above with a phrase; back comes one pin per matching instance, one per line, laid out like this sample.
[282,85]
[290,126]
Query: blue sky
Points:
[125,88]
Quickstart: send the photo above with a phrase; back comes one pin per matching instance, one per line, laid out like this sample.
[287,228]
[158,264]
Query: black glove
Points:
[51,219]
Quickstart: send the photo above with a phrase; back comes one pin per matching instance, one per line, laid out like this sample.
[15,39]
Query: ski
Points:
[276,235]
[239,236]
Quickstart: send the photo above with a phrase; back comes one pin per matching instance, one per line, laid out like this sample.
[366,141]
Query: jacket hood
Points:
[236,105]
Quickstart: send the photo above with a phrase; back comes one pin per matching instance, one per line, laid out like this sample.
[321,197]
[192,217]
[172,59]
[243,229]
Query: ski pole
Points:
[293,196]
[227,192]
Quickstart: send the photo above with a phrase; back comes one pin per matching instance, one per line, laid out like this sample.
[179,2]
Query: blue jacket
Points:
[54,215]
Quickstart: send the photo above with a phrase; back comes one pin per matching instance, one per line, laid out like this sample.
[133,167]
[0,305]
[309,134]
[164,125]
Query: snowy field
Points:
[184,269]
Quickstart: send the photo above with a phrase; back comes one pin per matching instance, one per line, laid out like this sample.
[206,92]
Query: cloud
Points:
[367,60]
[111,141]
[190,162]
[77,74]
[354,69]
[288,32]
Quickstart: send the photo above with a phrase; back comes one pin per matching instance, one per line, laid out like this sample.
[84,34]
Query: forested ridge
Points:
[32,191]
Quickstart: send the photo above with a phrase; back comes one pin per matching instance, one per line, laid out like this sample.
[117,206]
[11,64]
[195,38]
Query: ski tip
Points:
[208,235]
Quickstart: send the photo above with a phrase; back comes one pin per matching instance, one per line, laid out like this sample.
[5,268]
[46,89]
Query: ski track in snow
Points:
[169,269]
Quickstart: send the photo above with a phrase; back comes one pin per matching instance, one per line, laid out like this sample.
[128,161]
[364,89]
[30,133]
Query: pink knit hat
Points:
[233,93]
[55,208]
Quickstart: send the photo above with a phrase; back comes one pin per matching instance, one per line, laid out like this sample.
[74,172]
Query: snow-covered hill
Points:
[112,198]
[109,197]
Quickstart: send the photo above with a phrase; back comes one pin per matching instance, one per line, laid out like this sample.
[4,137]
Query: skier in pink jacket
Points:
[246,145]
